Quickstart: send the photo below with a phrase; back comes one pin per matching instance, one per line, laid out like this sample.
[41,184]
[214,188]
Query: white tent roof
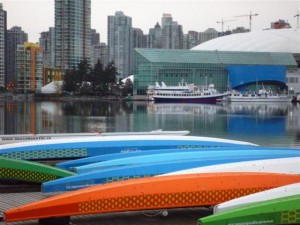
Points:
[131,77]
[274,40]
[52,87]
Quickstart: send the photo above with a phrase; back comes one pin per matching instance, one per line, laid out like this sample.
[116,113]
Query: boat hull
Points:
[92,146]
[275,165]
[283,211]
[151,193]
[283,191]
[181,156]
[21,170]
[203,100]
[13,138]
[71,164]
[131,172]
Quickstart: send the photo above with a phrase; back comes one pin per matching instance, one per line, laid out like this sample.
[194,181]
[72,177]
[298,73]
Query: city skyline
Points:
[197,15]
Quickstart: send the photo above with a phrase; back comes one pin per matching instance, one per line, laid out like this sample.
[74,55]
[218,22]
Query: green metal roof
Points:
[216,57]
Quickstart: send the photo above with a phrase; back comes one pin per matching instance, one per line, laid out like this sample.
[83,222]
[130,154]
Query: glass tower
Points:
[120,43]
[2,46]
[72,32]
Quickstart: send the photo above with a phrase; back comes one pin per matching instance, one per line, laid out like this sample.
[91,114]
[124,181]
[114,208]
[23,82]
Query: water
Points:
[267,124]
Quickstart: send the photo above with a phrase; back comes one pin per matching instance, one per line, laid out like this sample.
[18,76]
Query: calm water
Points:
[265,124]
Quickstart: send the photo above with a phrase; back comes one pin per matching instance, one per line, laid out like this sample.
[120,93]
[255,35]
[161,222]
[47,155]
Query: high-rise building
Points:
[240,30]
[207,35]
[3,22]
[29,68]
[120,42]
[154,38]
[47,43]
[95,42]
[15,36]
[190,39]
[95,37]
[139,38]
[100,53]
[166,19]
[172,33]
[72,32]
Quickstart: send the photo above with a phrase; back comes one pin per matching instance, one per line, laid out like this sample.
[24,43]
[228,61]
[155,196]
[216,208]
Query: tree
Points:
[84,71]
[87,80]
[128,87]
[69,81]
[110,76]
[97,77]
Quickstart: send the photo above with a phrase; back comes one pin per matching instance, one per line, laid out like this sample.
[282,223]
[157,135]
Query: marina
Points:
[154,127]
[206,116]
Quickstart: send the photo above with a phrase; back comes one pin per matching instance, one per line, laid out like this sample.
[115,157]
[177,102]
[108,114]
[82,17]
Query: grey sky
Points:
[36,16]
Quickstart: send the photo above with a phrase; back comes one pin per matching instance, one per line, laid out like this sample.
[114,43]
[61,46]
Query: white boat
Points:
[184,93]
[283,191]
[288,165]
[14,138]
[263,95]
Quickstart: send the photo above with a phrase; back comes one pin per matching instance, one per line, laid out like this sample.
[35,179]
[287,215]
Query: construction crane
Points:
[297,15]
[224,21]
[250,18]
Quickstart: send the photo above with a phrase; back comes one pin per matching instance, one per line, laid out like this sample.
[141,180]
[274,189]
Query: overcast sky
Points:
[36,16]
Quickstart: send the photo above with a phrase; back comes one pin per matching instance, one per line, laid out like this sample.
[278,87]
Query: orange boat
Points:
[152,193]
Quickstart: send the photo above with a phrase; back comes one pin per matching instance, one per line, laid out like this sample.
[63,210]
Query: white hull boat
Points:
[14,138]
[280,165]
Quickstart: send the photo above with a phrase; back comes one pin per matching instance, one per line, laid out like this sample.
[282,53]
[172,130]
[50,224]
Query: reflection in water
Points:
[193,109]
[259,109]
[265,124]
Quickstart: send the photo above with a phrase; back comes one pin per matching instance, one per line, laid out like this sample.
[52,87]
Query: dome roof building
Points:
[274,40]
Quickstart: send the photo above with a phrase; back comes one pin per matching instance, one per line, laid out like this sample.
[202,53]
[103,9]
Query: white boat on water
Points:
[262,95]
[184,93]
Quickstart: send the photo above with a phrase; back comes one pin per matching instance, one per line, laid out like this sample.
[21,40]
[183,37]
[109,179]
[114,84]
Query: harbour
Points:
[243,122]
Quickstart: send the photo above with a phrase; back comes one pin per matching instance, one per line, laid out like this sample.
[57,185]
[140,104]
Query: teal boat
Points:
[21,170]
[285,210]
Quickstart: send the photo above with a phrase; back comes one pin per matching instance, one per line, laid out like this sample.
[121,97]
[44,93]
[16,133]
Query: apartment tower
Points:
[120,43]
[29,68]
[72,32]
[3,22]
[15,36]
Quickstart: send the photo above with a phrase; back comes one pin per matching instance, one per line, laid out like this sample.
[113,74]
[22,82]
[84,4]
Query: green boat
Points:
[285,210]
[21,170]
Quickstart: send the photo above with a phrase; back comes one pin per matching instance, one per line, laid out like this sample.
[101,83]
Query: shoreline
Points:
[32,97]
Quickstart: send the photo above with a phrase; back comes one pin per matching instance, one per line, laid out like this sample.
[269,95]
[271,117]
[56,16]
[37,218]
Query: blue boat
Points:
[92,146]
[179,156]
[70,164]
[145,170]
